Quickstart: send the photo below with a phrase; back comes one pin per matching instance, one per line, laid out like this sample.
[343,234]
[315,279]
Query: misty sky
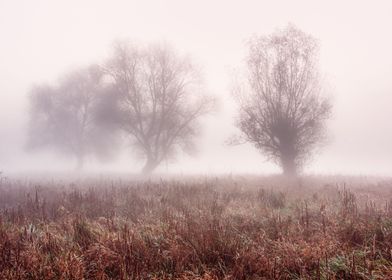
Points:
[41,40]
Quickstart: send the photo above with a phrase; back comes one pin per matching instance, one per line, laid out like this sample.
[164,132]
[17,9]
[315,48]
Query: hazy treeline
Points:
[153,98]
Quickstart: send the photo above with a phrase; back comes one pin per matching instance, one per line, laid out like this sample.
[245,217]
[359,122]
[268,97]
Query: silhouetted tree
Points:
[63,116]
[159,99]
[281,109]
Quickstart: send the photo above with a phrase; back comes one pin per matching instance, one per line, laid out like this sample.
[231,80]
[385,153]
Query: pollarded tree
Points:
[63,116]
[281,108]
[159,100]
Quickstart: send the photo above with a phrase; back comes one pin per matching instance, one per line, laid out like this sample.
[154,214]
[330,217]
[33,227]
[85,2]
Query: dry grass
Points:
[215,228]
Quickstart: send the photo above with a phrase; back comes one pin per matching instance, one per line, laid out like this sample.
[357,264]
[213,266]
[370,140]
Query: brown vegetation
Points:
[219,228]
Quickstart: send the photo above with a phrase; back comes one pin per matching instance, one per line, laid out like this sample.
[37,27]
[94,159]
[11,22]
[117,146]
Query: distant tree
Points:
[63,117]
[281,109]
[158,100]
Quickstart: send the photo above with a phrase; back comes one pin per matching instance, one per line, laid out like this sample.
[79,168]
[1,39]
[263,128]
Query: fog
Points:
[41,40]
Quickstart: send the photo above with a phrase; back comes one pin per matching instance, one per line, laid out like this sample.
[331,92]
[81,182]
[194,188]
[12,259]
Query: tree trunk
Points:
[289,167]
[149,167]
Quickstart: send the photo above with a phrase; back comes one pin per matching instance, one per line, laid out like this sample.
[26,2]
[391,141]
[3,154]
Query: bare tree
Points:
[281,109]
[159,100]
[63,116]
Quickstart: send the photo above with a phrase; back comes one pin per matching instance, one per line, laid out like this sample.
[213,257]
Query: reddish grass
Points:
[216,228]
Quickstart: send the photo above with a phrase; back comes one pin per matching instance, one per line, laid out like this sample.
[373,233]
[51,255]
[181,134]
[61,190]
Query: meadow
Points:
[227,227]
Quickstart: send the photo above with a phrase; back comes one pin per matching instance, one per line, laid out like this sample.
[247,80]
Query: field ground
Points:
[206,228]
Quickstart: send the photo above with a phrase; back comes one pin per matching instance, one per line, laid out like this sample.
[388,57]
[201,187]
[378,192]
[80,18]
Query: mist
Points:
[43,40]
[179,139]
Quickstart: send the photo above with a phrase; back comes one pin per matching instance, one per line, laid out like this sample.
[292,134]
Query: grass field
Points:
[189,228]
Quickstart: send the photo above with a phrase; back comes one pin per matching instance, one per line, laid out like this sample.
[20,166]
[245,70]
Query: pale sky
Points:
[41,40]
